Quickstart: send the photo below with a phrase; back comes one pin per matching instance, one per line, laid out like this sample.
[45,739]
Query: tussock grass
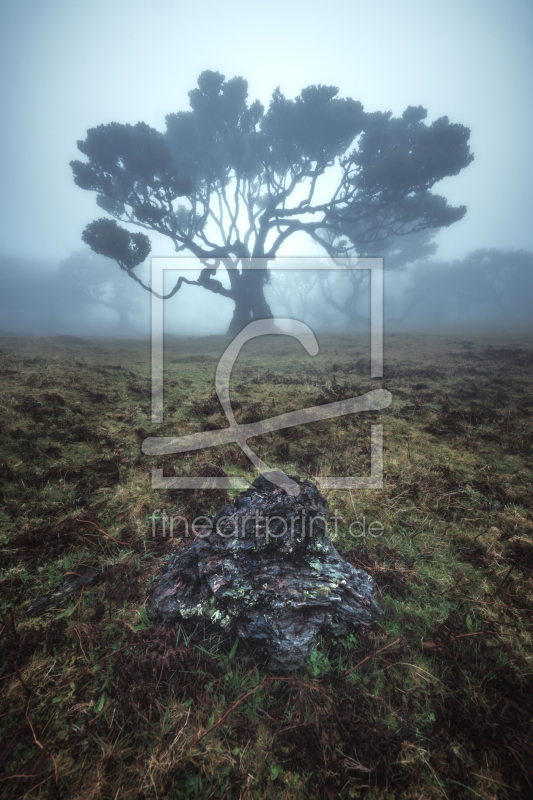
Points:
[433,701]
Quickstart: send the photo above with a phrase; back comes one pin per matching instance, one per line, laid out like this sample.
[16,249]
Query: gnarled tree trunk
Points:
[248,293]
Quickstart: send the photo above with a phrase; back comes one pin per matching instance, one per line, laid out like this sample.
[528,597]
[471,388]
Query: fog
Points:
[68,67]
[83,296]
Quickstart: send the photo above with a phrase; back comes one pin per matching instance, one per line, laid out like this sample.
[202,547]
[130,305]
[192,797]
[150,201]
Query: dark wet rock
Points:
[276,584]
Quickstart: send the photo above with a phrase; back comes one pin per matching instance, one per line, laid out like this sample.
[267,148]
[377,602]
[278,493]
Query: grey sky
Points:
[67,66]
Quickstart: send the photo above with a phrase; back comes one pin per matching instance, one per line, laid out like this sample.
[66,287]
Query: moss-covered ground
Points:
[433,701]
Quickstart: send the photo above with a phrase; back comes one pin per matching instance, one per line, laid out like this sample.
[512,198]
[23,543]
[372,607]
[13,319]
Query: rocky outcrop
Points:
[266,570]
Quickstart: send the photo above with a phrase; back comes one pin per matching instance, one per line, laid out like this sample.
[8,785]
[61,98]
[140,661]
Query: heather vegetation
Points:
[433,700]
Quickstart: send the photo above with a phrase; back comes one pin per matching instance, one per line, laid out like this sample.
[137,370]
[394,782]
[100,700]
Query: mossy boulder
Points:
[266,570]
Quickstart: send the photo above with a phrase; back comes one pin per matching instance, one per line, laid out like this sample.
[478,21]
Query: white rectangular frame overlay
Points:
[162,264]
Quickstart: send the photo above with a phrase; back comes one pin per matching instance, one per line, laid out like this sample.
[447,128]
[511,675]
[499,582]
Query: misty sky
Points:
[68,66]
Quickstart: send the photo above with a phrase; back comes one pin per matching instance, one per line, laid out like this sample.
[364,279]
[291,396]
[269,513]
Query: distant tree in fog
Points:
[228,182]
[28,300]
[88,281]
[486,284]
[345,291]
[42,297]
[292,290]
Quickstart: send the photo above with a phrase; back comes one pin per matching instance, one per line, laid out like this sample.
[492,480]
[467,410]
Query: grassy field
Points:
[433,701]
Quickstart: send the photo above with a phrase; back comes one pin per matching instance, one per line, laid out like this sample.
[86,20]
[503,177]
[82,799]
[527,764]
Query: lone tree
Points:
[228,181]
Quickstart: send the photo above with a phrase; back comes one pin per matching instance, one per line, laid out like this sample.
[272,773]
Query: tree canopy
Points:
[229,181]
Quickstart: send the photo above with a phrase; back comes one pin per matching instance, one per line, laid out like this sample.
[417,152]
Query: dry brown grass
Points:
[441,703]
